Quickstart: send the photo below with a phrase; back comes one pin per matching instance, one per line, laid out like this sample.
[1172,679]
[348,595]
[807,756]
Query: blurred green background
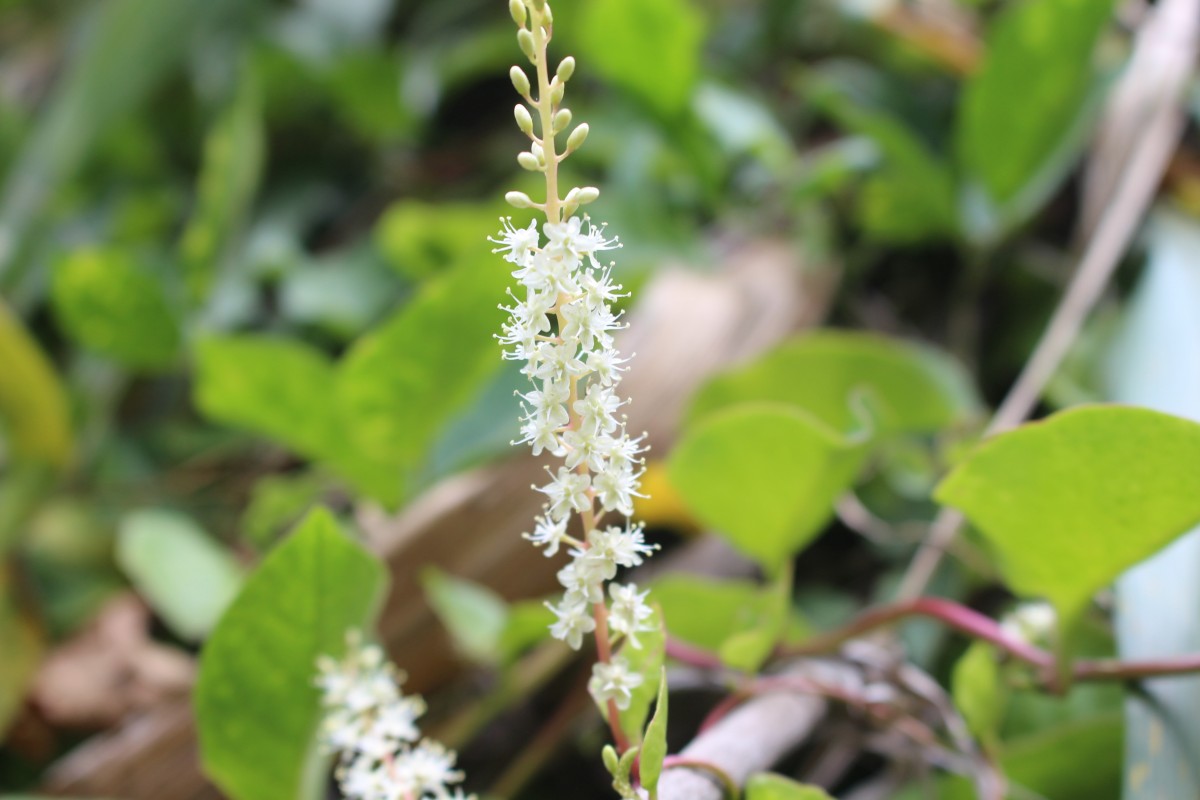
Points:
[243,255]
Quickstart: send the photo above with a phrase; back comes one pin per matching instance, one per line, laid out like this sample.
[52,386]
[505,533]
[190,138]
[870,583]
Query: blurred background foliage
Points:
[244,264]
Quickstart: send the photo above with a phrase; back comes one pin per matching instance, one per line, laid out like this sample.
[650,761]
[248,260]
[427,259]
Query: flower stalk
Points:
[561,325]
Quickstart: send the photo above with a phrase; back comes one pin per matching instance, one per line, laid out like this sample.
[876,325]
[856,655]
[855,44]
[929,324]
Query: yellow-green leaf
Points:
[764,476]
[33,405]
[1071,502]
[257,709]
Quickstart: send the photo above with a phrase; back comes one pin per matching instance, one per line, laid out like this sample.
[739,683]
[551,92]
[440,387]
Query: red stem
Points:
[954,615]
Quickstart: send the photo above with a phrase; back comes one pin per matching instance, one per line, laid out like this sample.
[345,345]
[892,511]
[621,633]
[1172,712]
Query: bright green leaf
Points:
[422,239]
[706,612]
[116,307]
[528,624]
[647,661]
[280,388]
[1032,85]
[654,744]
[475,616]
[1079,761]
[1069,503]
[769,786]
[911,388]
[277,502]
[257,709]
[401,383]
[979,692]
[617,37]
[763,476]
[233,160]
[274,387]
[185,576]
[33,405]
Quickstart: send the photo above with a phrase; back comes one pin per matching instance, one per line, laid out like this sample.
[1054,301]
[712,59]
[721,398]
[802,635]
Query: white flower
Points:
[597,408]
[574,620]
[616,486]
[567,492]
[373,728]
[515,242]
[427,768]
[625,547]
[614,681]
[606,366]
[548,533]
[629,612]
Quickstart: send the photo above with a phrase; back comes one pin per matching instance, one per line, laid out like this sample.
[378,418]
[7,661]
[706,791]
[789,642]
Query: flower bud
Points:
[566,69]
[524,120]
[520,81]
[519,14]
[525,40]
[538,152]
[557,90]
[588,194]
[561,120]
[518,200]
[539,5]
[529,161]
[577,137]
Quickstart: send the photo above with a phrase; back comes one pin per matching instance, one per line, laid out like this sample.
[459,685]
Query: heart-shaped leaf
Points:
[910,388]
[1070,503]
[765,477]
[257,709]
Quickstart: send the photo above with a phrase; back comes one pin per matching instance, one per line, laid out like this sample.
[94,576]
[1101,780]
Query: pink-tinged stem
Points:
[954,615]
[691,655]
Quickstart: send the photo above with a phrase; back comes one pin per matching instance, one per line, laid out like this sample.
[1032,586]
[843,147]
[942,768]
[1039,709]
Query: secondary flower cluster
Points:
[562,327]
[373,727]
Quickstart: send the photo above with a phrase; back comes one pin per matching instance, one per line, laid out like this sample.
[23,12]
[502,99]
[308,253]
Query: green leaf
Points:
[257,710]
[420,240]
[763,476]
[278,502]
[911,388]
[1071,502]
[280,388]
[911,196]
[185,576]
[654,744]
[1025,96]
[769,786]
[707,612]
[400,384]
[475,616]
[646,661]
[979,692]
[271,386]
[113,305]
[1078,761]
[617,36]
[748,648]
[528,624]
[229,175]
[33,405]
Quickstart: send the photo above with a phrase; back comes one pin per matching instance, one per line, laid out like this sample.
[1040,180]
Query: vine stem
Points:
[972,624]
